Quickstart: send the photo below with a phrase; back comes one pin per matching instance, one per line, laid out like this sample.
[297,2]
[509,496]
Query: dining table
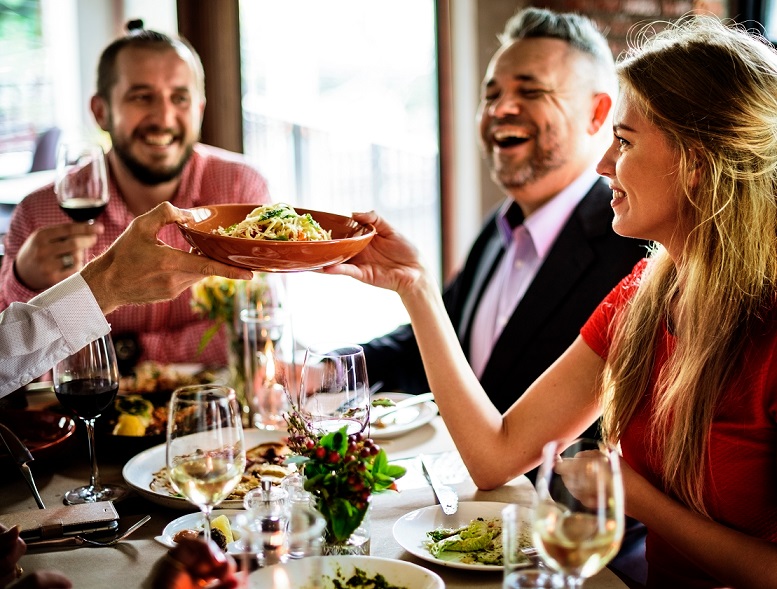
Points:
[129,563]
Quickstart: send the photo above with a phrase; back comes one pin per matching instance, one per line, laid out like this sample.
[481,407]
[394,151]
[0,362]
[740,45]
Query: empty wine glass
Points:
[81,181]
[334,390]
[206,454]
[86,383]
[579,519]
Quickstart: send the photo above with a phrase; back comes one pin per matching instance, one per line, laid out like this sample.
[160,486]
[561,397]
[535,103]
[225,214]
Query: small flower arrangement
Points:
[341,471]
[214,298]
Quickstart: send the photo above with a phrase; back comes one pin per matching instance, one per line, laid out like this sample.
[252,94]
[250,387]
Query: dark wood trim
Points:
[446,126]
[213,28]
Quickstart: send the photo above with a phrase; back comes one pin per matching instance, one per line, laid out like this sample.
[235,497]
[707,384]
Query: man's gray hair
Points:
[577,30]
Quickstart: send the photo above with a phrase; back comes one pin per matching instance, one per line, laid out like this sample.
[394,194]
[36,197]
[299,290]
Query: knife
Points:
[21,454]
[449,500]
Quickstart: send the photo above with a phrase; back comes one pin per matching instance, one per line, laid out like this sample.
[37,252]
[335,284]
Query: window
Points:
[340,114]
[26,101]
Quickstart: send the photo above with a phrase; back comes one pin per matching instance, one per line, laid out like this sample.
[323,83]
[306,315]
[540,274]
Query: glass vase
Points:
[357,544]
[263,290]
[236,376]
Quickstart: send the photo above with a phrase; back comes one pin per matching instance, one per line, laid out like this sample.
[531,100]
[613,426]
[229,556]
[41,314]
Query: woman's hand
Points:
[389,261]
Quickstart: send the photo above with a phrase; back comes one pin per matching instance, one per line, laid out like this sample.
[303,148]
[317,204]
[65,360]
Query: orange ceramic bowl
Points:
[348,239]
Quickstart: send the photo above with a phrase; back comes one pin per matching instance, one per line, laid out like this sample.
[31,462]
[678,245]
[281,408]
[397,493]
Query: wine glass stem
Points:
[206,512]
[574,582]
[95,478]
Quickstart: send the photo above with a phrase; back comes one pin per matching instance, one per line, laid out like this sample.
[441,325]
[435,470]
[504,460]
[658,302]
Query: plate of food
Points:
[274,238]
[469,539]
[224,529]
[266,451]
[331,572]
[137,419]
[401,421]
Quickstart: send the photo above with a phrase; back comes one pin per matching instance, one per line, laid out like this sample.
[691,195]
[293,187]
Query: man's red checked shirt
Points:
[741,477]
[169,331]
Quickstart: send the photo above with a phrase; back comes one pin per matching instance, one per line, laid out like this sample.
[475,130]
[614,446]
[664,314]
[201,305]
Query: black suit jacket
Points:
[585,263]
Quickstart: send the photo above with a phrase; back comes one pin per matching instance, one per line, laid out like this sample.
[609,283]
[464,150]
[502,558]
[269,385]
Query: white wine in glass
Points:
[81,181]
[579,520]
[334,390]
[205,448]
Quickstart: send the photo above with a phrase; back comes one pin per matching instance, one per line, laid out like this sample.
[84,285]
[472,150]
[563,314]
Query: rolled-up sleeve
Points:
[34,336]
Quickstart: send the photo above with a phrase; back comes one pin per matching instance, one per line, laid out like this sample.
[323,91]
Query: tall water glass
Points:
[206,454]
[519,572]
[269,365]
[579,519]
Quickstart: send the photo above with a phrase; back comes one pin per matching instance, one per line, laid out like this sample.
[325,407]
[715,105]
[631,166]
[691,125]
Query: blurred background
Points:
[343,105]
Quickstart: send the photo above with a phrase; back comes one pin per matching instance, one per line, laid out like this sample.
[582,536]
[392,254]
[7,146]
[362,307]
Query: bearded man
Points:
[150,100]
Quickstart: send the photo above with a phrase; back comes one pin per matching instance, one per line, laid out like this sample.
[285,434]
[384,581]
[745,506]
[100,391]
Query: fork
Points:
[81,540]
[531,553]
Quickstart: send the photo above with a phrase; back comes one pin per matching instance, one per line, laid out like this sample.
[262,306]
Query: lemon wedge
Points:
[129,425]
[222,523]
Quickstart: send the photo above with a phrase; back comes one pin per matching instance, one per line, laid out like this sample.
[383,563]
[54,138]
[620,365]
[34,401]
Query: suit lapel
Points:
[492,252]
[569,257]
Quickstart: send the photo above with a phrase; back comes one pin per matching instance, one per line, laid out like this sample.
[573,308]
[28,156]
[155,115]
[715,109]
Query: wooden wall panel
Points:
[212,27]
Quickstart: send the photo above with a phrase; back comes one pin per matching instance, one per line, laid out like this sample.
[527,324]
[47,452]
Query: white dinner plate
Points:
[410,530]
[139,471]
[302,572]
[404,420]
[196,521]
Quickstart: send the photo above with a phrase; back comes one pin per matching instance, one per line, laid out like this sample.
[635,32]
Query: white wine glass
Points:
[81,180]
[206,454]
[579,519]
[86,383]
[334,390]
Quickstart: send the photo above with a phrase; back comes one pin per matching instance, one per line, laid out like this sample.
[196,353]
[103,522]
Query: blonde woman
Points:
[681,358]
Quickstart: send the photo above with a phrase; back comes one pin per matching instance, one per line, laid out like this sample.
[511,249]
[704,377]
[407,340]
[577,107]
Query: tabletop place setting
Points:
[288,459]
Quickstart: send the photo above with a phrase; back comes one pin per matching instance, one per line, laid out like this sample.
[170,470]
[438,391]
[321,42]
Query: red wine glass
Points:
[81,180]
[86,383]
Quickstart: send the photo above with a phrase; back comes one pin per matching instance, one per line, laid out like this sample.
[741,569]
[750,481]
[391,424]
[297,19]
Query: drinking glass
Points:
[86,384]
[81,182]
[517,519]
[269,365]
[334,391]
[579,520]
[206,454]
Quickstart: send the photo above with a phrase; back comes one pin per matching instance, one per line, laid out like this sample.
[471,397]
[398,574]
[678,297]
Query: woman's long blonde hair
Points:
[713,90]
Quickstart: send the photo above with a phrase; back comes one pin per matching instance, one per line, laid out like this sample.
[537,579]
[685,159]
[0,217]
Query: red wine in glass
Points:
[87,398]
[82,210]
[86,383]
[81,180]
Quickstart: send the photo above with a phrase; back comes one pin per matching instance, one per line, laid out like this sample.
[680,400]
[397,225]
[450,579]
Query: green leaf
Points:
[395,471]
[207,335]
[296,459]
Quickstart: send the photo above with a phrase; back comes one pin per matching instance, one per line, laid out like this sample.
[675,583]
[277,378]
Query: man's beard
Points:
[144,174]
[542,162]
